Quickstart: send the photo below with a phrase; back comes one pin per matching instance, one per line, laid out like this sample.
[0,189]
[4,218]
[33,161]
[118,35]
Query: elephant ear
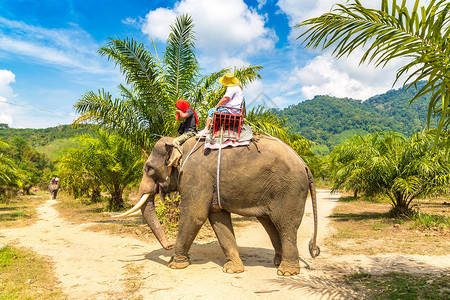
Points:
[169,150]
[172,157]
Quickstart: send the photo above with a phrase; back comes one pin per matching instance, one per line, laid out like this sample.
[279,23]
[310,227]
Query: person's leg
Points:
[208,122]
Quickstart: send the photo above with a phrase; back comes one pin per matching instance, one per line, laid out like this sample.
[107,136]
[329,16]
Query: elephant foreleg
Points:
[223,228]
[191,220]
[274,238]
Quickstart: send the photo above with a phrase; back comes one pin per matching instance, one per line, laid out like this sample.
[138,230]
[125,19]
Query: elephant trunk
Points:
[149,213]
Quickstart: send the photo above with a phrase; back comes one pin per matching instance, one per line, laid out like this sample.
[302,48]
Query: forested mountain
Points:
[330,120]
[41,137]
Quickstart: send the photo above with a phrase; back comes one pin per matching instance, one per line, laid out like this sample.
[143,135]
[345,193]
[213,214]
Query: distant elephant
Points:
[266,180]
[53,188]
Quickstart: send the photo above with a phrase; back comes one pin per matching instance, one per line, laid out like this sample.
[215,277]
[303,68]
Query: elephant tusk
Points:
[134,209]
[135,213]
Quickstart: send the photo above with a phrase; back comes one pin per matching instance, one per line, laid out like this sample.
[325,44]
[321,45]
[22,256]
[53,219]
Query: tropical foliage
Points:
[107,162]
[146,107]
[388,164]
[9,175]
[421,35]
[21,167]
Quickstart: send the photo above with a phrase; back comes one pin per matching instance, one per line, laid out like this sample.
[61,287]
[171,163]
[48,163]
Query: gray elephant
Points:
[266,179]
[53,188]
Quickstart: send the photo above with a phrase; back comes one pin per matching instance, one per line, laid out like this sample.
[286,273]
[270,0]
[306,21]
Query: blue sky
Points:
[48,51]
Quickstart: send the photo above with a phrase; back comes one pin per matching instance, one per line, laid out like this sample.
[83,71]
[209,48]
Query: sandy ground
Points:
[93,265]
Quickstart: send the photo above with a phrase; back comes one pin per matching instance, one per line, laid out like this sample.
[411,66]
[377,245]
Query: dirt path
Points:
[92,265]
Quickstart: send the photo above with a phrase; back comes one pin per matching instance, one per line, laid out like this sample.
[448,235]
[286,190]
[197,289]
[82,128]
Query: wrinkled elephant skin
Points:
[267,181]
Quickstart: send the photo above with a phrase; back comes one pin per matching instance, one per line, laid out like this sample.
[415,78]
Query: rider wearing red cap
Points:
[188,128]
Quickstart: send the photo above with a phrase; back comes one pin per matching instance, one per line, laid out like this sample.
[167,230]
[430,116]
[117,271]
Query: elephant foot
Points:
[179,262]
[233,267]
[277,259]
[288,269]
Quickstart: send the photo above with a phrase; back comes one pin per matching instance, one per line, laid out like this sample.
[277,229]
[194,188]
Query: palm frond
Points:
[179,58]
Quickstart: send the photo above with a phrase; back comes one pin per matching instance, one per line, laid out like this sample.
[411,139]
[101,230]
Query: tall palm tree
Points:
[146,106]
[421,35]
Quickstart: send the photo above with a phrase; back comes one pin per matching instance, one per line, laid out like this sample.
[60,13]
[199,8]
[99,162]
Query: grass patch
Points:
[346,198]
[424,221]
[401,286]
[24,275]
[367,228]
[21,211]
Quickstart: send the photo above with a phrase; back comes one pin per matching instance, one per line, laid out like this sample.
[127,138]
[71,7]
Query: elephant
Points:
[53,188]
[265,179]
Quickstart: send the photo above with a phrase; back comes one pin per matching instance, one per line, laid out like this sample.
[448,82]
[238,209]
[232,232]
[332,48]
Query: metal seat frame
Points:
[228,125]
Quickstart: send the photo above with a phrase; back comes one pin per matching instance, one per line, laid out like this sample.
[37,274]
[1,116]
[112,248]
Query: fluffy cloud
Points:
[6,78]
[325,75]
[225,29]
[6,92]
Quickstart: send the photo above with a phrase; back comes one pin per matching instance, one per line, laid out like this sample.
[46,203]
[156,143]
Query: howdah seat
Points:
[228,124]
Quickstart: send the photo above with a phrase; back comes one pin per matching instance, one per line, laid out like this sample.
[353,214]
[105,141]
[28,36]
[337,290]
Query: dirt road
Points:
[93,265]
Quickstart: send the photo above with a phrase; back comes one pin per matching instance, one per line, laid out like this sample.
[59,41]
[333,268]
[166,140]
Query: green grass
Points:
[401,286]
[363,199]
[424,221]
[24,275]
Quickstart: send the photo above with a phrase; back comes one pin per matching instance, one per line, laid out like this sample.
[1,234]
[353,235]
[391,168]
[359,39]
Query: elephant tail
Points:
[314,250]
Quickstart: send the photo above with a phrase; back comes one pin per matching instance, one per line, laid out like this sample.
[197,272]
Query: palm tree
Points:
[391,165]
[10,178]
[146,107]
[107,161]
[422,35]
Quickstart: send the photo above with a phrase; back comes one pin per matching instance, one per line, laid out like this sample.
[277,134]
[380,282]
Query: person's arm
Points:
[223,101]
[184,115]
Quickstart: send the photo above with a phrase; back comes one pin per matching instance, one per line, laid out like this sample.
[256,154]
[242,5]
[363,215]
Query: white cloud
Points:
[6,92]
[223,29]
[157,23]
[325,75]
[6,78]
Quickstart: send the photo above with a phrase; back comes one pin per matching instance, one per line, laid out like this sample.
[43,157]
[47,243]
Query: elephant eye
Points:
[149,169]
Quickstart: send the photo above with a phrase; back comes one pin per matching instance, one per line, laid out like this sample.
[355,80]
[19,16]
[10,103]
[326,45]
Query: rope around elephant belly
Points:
[218,168]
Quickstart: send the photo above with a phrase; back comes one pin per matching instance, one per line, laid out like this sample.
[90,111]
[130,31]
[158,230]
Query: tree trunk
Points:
[96,195]
[116,201]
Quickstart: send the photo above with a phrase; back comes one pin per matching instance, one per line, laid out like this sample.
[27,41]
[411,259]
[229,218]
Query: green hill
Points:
[41,137]
[329,120]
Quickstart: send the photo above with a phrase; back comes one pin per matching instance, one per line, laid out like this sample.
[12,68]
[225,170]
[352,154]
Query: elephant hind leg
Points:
[290,260]
[223,228]
[274,238]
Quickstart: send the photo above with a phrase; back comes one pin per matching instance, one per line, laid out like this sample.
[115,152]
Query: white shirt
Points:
[236,96]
